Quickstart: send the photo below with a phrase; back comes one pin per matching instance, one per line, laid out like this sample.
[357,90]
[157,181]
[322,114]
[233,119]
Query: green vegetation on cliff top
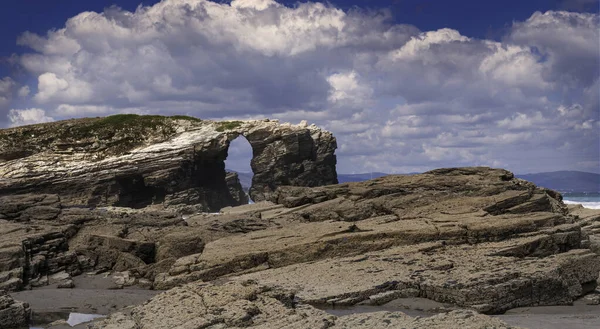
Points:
[133,121]
[228,125]
[114,134]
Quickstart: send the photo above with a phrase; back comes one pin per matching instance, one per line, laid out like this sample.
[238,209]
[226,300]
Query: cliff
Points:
[136,161]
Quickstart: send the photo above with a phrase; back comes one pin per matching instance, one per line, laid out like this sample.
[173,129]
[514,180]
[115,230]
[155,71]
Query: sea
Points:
[589,200]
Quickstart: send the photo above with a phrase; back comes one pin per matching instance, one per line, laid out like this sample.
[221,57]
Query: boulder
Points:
[13,314]
[140,249]
[179,244]
[235,188]
[66,284]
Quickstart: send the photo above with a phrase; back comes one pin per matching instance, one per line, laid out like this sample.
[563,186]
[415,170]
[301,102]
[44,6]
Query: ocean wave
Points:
[589,205]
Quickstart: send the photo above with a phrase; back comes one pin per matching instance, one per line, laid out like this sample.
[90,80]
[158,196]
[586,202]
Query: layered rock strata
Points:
[589,219]
[474,237]
[136,161]
[13,314]
[235,188]
[248,305]
[39,237]
[77,196]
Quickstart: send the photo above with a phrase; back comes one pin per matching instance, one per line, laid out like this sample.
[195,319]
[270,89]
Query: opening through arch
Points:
[238,160]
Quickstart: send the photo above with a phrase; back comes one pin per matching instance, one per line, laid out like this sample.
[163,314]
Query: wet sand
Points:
[577,316]
[411,306]
[96,294]
[92,295]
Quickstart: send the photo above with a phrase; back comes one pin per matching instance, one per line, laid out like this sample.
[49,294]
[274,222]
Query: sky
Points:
[404,85]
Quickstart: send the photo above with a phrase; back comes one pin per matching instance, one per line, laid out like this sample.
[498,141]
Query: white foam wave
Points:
[589,205]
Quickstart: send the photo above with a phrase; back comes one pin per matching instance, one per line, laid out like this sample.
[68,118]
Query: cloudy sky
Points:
[405,85]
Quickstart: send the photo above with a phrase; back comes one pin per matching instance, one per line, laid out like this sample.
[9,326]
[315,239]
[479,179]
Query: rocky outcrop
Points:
[33,244]
[474,237]
[51,174]
[477,238]
[589,220]
[136,161]
[235,188]
[33,247]
[13,314]
[248,305]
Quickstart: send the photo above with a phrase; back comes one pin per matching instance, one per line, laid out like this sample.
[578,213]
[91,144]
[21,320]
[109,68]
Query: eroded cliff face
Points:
[137,161]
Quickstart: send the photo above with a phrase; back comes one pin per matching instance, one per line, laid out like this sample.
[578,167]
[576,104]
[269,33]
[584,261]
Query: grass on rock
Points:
[228,125]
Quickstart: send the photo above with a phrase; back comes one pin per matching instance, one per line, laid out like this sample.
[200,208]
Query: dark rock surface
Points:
[13,314]
[145,242]
[235,188]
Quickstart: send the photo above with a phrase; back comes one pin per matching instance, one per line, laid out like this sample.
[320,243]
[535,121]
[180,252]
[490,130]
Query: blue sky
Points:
[405,85]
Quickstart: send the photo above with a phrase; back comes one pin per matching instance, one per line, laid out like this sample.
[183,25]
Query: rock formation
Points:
[13,314]
[136,161]
[473,237]
[124,196]
[50,173]
[248,305]
[235,188]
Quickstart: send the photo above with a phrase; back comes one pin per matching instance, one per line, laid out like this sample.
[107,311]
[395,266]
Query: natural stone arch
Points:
[136,161]
[297,157]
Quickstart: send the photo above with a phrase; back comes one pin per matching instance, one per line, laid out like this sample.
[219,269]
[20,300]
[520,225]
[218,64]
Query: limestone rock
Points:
[13,314]
[67,284]
[180,244]
[459,319]
[61,276]
[592,299]
[124,279]
[235,188]
[247,305]
[137,161]
[29,253]
[475,237]
[589,219]
[146,251]
[63,279]
[27,207]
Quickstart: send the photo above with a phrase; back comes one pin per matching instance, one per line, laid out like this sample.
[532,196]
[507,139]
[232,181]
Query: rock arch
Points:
[297,156]
[168,161]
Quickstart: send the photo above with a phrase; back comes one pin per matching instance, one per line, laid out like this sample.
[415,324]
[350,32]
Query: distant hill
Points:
[565,181]
[562,181]
[348,178]
[246,178]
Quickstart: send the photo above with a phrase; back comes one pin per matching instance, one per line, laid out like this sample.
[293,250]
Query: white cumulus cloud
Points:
[397,98]
[6,89]
[28,116]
